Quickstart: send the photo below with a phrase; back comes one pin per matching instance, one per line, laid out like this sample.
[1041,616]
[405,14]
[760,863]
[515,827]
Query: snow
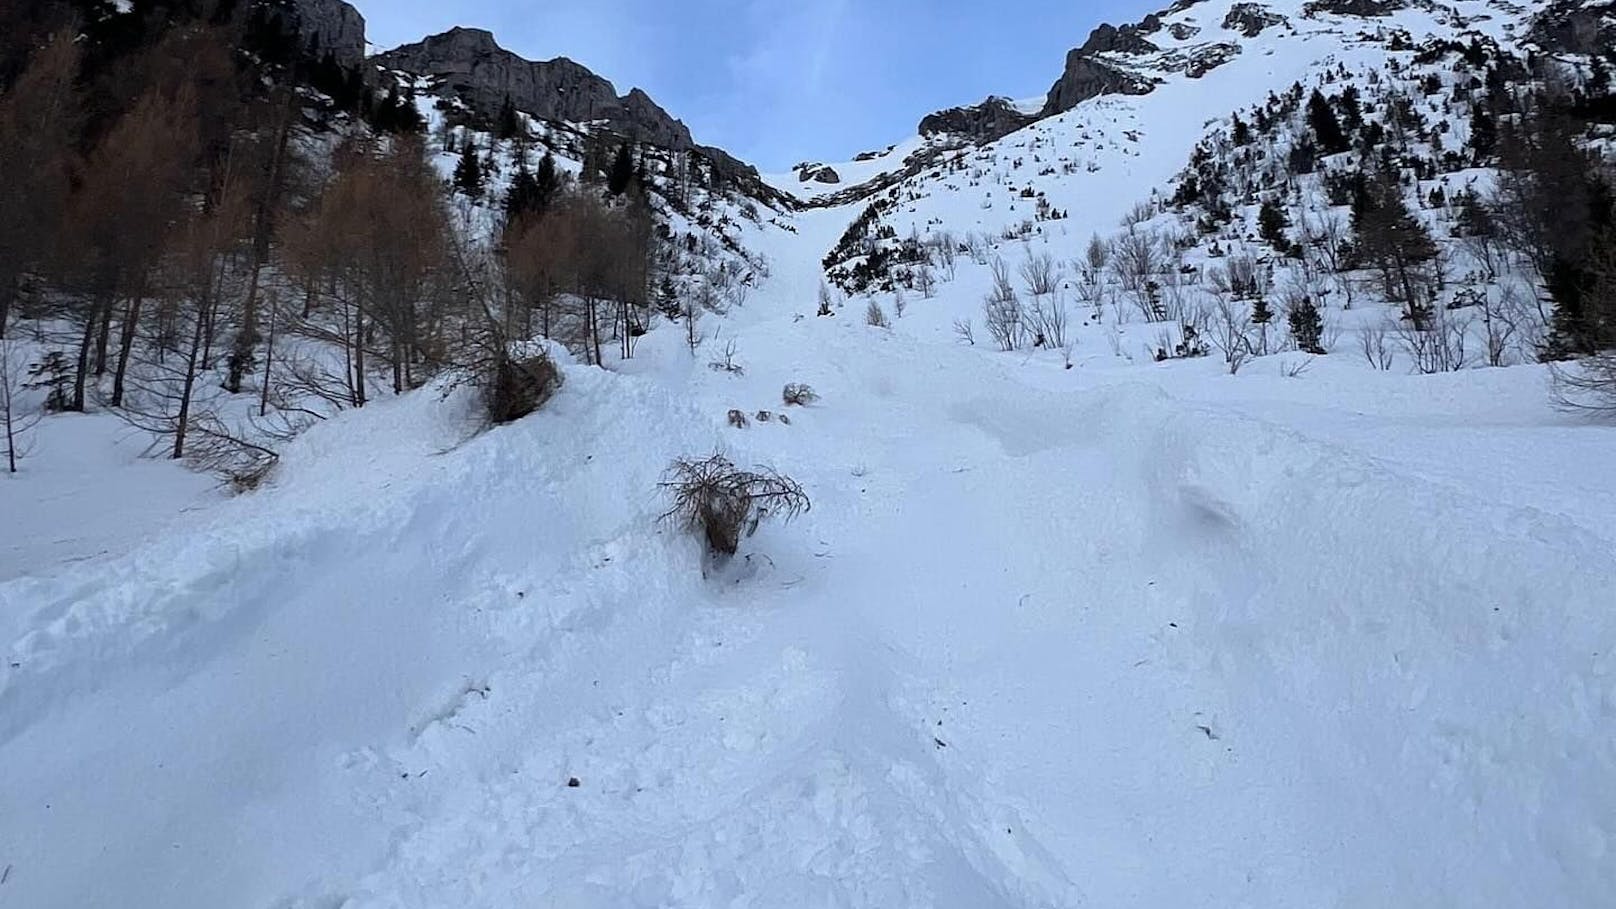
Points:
[1121,634]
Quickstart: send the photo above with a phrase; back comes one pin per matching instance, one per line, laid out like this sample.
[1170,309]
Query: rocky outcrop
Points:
[1109,39]
[818,173]
[1204,59]
[325,27]
[469,64]
[1575,27]
[1251,19]
[993,119]
[1086,78]
[1183,31]
[1364,9]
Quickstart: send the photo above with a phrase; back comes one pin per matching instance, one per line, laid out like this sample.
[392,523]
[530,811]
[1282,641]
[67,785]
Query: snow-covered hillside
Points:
[1106,619]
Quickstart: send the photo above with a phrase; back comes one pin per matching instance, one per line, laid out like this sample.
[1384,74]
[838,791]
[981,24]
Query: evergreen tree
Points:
[1307,326]
[1483,135]
[509,125]
[1388,236]
[547,181]
[1272,224]
[521,199]
[1241,133]
[1325,125]
[621,175]
[468,174]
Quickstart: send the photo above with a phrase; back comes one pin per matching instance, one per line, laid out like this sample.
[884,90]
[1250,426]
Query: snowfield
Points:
[1119,633]
[1048,637]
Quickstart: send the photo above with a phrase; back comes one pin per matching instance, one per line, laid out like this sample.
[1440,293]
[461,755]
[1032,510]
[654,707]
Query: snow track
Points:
[1031,648]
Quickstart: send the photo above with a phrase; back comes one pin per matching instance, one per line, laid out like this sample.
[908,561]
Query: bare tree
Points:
[17,421]
[1137,260]
[1229,326]
[1040,274]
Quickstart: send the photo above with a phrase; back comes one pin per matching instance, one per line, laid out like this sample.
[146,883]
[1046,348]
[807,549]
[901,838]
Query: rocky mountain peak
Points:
[469,64]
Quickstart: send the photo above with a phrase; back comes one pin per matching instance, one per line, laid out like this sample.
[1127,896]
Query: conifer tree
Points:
[622,172]
[1272,224]
[468,174]
[1325,125]
[510,125]
[1307,326]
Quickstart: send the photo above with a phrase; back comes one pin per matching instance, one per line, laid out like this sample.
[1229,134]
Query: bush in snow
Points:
[516,387]
[722,502]
[876,316]
[798,395]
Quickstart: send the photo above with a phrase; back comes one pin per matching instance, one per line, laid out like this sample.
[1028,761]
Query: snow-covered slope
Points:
[1063,627]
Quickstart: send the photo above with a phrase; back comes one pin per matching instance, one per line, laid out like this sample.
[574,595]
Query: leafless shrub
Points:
[964,333]
[825,299]
[798,394]
[723,503]
[1372,341]
[926,281]
[1137,260]
[1439,344]
[1139,214]
[728,364]
[1587,385]
[1040,274]
[1047,321]
[1229,326]
[876,316]
[1292,369]
[16,421]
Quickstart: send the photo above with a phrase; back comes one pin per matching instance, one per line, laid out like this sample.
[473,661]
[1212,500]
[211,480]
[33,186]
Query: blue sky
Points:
[778,81]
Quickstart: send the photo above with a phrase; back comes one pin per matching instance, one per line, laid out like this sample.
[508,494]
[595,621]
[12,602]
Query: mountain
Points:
[467,63]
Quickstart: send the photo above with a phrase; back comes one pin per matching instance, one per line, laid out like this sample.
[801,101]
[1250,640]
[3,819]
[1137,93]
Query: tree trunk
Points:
[82,371]
[269,355]
[102,339]
[191,362]
[8,293]
[359,358]
[126,343]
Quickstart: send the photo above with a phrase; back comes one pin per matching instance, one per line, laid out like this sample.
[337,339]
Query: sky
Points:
[777,82]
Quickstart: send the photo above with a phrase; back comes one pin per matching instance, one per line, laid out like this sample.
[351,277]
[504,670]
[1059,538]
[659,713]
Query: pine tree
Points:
[1272,224]
[1483,135]
[1387,235]
[1307,326]
[622,172]
[547,180]
[1241,133]
[468,174]
[522,198]
[1325,125]
[509,126]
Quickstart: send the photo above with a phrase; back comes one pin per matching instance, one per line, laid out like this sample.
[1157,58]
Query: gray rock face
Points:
[985,122]
[818,173]
[1109,39]
[1364,9]
[1087,78]
[330,26]
[1183,31]
[1575,27]
[1251,19]
[471,65]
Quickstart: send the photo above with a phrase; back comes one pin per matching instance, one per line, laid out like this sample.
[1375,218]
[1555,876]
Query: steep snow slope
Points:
[1120,634]
[1048,638]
